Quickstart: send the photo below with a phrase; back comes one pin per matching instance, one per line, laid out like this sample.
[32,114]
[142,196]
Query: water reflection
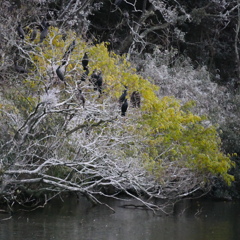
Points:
[195,220]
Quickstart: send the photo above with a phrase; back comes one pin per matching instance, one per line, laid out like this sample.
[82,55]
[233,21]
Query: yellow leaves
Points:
[57,41]
[100,56]
[217,164]
[70,67]
[188,106]
[171,131]
[193,145]
[118,74]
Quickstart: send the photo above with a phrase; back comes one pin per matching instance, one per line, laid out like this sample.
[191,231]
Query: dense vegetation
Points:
[169,147]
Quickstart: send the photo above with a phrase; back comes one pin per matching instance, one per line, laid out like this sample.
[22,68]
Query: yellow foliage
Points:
[171,131]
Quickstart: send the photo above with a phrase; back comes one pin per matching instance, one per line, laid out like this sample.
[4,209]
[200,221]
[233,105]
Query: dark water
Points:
[70,220]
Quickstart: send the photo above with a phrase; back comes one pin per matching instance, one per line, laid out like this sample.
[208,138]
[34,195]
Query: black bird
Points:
[135,99]
[43,24]
[94,77]
[123,96]
[20,31]
[95,73]
[99,82]
[44,33]
[124,107]
[60,74]
[33,34]
[85,61]
[18,68]
[80,97]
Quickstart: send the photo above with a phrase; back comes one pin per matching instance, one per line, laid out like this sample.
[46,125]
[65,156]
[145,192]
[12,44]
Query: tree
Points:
[52,144]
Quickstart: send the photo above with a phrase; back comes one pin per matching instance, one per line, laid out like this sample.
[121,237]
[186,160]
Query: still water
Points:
[78,220]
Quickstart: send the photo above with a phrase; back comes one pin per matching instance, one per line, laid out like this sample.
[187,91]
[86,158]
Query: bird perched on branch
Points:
[123,96]
[18,68]
[94,76]
[44,32]
[97,80]
[43,24]
[85,61]
[124,107]
[80,97]
[20,31]
[60,74]
[135,99]
[33,34]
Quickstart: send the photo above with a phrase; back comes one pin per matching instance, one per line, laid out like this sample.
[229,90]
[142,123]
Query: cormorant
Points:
[99,82]
[95,73]
[85,60]
[44,33]
[124,107]
[20,31]
[44,24]
[135,99]
[94,77]
[60,74]
[80,97]
[123,96]
[18,68]
[33,34]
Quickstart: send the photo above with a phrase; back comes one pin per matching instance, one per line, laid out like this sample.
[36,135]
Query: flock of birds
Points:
[96,78]
[43,34]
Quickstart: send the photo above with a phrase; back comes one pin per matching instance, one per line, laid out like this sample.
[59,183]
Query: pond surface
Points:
[72,219]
